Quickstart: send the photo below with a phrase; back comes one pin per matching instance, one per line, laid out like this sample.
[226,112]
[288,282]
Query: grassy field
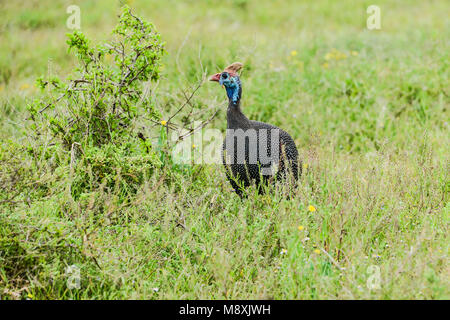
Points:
[368,110]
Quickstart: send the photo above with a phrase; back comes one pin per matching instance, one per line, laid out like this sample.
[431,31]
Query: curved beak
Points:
[215,77]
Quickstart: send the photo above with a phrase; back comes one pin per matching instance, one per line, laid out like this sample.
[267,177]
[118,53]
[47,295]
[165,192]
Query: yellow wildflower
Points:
[194,146]
[316,251]
[294,53]
[311,208]
[300,228]
[163,122]
[30,296]
[325,65]
[24,86]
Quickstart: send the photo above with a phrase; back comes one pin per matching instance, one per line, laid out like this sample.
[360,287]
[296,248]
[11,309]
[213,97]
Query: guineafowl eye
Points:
[224,75]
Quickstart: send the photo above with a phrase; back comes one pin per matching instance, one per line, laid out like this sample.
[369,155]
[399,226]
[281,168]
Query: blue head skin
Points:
[231,83]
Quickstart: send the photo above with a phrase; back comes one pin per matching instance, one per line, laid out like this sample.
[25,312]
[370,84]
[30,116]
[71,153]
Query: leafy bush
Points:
[98,103]
[91,114]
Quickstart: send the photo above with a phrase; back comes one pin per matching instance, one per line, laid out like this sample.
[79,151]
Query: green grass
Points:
[372,129]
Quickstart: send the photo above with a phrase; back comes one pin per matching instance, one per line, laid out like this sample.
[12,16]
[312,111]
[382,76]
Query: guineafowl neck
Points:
[235,118]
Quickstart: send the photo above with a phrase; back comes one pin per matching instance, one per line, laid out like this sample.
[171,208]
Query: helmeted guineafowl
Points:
[253,150]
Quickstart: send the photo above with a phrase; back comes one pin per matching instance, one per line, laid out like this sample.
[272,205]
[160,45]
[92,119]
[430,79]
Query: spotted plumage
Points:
[253,151]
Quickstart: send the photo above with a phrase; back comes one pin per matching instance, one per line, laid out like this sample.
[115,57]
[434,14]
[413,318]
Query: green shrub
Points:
[91,114]
[98,102]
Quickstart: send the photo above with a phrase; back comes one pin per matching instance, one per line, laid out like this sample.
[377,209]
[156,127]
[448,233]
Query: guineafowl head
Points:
[229,79]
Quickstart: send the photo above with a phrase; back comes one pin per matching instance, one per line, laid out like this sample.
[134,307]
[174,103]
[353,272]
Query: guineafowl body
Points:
[253,151]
